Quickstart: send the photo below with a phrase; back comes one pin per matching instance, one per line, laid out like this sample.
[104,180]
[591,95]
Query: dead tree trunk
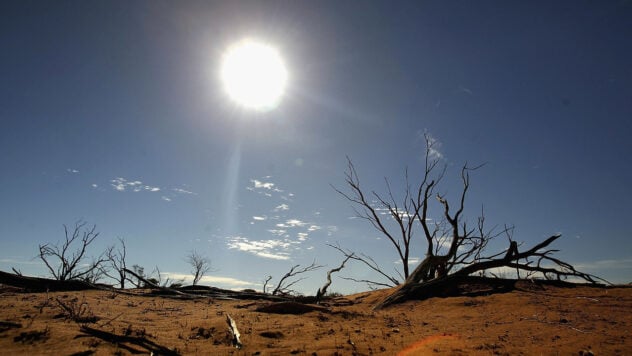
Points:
[323,290]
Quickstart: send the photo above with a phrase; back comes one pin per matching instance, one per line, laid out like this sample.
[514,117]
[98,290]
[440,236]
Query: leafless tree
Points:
[65,262]
[117,259]
[453,248]
[322,291]
[381,211]
[283,287]
[200,265]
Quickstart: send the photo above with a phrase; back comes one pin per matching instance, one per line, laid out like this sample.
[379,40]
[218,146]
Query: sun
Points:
[254,75]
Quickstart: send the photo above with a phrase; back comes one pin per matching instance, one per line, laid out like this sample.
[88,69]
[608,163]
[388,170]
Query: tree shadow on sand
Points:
[121,340]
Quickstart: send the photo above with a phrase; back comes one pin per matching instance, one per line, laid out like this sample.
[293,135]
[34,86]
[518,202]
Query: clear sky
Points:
[113,112]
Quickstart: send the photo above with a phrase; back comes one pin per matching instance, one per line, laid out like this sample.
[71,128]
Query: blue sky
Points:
[113,112]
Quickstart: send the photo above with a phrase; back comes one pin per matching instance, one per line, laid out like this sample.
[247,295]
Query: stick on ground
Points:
[232,326]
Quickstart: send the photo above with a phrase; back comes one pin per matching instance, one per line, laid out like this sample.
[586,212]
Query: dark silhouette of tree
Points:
[200,265]
[117,259]
[64,261]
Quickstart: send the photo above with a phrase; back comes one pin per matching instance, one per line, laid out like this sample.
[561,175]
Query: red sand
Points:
[529,321]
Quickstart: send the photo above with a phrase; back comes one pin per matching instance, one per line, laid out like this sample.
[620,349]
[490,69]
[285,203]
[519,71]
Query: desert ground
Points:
[529,320]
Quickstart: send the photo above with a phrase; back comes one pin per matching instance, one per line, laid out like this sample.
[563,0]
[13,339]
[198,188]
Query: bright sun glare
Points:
[254,75]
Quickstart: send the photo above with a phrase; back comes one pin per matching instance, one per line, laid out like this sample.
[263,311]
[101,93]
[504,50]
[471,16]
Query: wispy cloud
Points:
[411,261]
[262,185]
[292,223]
[403,214]
[435,146]
[268,188]
[19,261]
[122,185]
[175,192]
[279,232]
[288,233]
[211,280]
[183,191]
[314,228]
[625,263]
[274,248]
[70,170]
[464,90]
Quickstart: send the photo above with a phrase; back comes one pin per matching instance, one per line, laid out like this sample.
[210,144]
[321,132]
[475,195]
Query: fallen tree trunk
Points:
[414,289]
[205,292]
[37,284]
[161,288]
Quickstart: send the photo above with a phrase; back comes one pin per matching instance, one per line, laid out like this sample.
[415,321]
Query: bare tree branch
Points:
[265,284]
[369,262]
[283,287]
[371,284]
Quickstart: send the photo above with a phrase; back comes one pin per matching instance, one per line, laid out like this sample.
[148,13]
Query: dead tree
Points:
[65,262]
[283,287]
[453,249]
[200,265]
[323,290]
[117,259]
[370,207]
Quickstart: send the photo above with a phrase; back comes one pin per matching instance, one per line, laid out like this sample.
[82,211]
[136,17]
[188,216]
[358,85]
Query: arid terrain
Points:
[530,320]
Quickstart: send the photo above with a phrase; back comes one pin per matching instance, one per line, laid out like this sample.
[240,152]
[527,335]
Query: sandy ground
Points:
[531,320]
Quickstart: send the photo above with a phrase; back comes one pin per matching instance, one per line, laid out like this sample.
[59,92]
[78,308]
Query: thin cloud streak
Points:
[183,191]
[121,184]
[211,280]
[606,264]
[273,249]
